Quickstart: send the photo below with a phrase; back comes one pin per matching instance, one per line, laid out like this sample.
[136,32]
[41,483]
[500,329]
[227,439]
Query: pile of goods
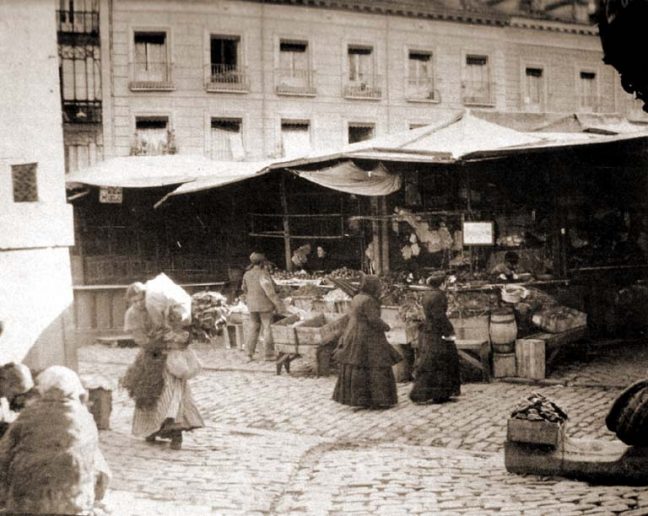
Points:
[337,295]
[307,290]
[538,408]
[345,274]
[286,276]
[557,319]
[470,304]
[209,313]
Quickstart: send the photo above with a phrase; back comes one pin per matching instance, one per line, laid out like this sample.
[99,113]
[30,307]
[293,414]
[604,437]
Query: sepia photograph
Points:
[324,257]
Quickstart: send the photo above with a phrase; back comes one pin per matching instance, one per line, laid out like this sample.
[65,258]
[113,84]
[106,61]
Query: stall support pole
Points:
[286,222]
[384,233]
[375,232]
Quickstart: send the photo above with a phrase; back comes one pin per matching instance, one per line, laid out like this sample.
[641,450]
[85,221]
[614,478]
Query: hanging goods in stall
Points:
[503,331]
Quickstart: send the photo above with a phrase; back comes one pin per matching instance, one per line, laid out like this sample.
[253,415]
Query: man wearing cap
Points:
[262,300]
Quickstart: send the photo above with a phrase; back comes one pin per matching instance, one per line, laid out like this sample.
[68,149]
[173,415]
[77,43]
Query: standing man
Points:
[262,301]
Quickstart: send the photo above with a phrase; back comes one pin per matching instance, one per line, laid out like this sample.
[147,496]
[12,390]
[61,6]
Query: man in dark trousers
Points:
[262,301]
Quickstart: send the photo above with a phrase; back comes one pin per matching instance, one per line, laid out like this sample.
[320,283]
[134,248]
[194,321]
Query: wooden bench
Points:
[476,353]
[557,342]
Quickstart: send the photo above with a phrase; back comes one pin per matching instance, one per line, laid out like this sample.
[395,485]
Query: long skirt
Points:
[437,374]
[175,410]
[366,387]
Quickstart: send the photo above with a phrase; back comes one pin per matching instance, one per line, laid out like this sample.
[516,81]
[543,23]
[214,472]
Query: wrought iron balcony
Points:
[477,93]
[364,87]
[227,78]
[421,89]
[295,82]
[82,111]
[151,76]
[78,22]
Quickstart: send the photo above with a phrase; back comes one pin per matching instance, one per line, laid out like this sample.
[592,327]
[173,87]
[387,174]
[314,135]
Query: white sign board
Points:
[111,195]
[478,233]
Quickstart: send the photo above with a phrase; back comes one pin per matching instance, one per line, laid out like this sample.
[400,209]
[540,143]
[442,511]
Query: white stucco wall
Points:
[35,283]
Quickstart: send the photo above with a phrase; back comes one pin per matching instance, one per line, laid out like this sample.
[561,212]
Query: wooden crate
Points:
[472,328]
[535,432]
[283,331]
[321,329]
[303,302]
[504,365]
[531,360]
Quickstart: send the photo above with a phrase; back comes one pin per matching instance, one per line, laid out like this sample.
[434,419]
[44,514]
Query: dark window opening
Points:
[227,124]
[151,123]
[224,51]
[150,38]
[588,76]
[476,60]
[360,132]
[293,46]
[534,72]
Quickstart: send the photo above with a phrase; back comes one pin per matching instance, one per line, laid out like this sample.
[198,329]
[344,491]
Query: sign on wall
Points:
[478,233]
[111,195]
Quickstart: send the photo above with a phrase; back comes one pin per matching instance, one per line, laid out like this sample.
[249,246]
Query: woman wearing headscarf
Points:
[164,406]
[50,461]
[437,367]
[364,356]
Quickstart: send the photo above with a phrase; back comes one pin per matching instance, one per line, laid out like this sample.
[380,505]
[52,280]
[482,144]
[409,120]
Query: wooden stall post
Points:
[375,232]
[286,222]
[384,234]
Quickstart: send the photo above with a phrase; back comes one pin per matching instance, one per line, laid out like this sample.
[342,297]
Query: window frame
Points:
[579,70]
[242,127]
[528,106]
[145,85]
[33,168]
[296,120]
[435,97]
[153,115]
[486,102]
[286,84]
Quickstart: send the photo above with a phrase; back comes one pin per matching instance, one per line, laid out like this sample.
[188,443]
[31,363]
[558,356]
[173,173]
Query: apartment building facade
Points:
[35,220]
[249,80]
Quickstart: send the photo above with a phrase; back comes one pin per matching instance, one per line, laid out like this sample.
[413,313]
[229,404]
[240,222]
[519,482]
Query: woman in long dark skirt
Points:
[364,356]
[437,367]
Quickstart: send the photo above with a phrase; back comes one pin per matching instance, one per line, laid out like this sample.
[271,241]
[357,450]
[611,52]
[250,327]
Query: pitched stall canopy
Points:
[462,138]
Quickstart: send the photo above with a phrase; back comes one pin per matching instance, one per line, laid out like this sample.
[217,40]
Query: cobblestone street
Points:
[278,444]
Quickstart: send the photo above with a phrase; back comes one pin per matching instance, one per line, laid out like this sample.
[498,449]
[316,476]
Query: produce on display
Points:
[337,295]
[538,408]
[559,318]
[346,273]
[209,312]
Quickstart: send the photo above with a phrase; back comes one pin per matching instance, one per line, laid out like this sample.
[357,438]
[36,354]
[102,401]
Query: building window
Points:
[151,69]
[534,91]
[476,83]
[80,76]
[360,132]
[25,182]
[226,139]
[587,91]
[295,138]
[225,63]
[420,76]
[294,75]
[362,80]
[153,136]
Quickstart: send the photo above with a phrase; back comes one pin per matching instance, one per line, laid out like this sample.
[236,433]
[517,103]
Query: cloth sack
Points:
[183,363]
[167,303]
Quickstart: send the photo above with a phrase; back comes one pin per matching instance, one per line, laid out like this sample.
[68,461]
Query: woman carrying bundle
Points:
[164,406]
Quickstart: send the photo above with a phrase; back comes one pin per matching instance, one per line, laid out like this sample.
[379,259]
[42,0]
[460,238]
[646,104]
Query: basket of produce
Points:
[559,318]
[537,420]
[321,329]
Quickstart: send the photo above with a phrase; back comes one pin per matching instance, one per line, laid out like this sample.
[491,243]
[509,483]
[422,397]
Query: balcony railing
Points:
[364,87]
[82,111]
[151,76]
[78,22]
[227,78]
[295,82]
[477,93]
[421,89]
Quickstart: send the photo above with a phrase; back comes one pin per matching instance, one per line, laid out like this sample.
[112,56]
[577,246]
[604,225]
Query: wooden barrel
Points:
[503,331]
[630,415]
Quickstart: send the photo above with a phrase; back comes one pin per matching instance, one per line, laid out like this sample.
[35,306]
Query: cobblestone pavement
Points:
[278,444]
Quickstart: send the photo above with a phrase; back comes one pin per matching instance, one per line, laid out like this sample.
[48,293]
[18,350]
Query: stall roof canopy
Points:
[172,169]
[459,138]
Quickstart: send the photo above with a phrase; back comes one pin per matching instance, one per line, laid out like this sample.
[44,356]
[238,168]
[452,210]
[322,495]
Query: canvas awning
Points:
[350,178]
[459,138]
[165,170]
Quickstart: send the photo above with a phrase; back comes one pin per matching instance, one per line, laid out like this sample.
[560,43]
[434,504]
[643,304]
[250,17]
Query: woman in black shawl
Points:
[364,356]
[437,367]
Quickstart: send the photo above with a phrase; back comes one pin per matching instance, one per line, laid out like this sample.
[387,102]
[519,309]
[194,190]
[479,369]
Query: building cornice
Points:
[553,26]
